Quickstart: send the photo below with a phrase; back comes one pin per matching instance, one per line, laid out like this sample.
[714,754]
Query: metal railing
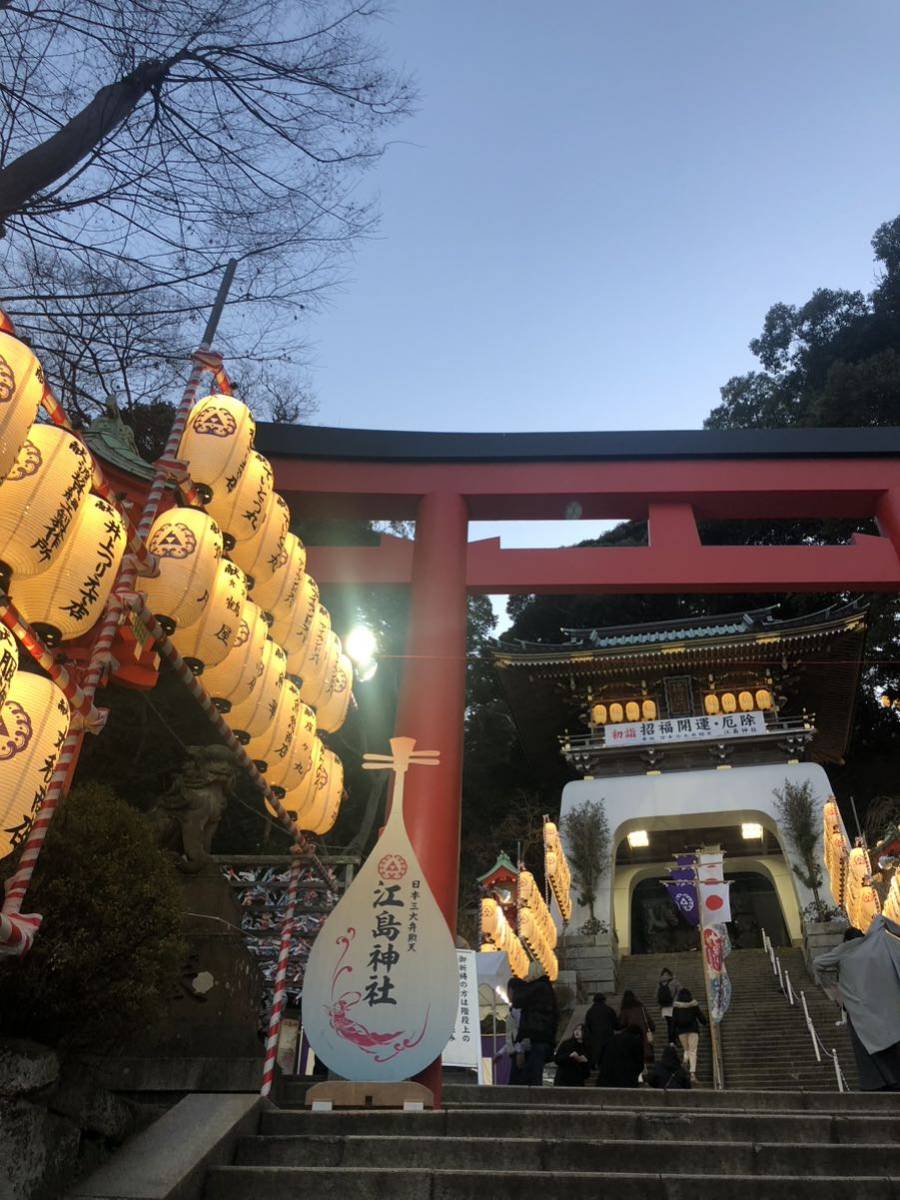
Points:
[782,974]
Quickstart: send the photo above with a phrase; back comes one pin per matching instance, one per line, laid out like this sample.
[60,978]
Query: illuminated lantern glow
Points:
[314,683]
[40,499]
[294,630]
[259,556]
[232,680]
[336,699]
[711,704]
[207,641]
[270,750]
[500,936]
[34,721]
[278,595]
[729,702]
[21,389]
[745,701]
[9,660]
[764,699]
[648,710]
[300,750]
[298,797]
[599,714]
[64,601]
[556,869]
[321,811]
[254,715]
[216,444]
[241,512]
[616,713]
[633,710]
[188,545]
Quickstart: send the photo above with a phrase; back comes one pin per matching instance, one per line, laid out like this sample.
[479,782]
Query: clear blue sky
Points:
[597,202]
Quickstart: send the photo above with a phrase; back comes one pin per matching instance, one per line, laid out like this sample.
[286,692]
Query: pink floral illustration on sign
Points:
[382,1046]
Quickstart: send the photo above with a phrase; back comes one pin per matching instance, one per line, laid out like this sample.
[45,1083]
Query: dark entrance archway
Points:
[658,928]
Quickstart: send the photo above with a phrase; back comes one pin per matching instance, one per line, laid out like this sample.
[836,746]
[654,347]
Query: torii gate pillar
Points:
[432,699]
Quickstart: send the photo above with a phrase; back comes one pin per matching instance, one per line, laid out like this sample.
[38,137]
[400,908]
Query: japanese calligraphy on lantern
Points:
[464,1047]
[685,729]
[382,981]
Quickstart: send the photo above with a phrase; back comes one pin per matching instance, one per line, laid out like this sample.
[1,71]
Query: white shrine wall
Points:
[693,800]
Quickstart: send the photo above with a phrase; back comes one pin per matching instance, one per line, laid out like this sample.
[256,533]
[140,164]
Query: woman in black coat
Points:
[622,1059]
[572,1060]
[686,1020]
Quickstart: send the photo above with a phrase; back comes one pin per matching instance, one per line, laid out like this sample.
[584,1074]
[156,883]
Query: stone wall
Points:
[593,960]
[820,937]
[56,1121]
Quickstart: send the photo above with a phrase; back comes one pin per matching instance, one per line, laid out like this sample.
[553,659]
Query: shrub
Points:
[586,831]
[109,948]
[800,817]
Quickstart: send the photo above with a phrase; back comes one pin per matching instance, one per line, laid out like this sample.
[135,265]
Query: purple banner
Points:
[684,896]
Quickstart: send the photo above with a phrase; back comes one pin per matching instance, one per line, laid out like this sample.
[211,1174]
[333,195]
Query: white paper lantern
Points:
[231,681]
[9,660]
[299,797]
[241,512]
[309,662]
[318,671]
[260,555]
[207,642]
[188,545]
[271,749]
[253,716]
[21,389]
[67,599]
[278,594]
[34,720]
[335,702]
[40,499]
[295,629]
[300,751]
[216,442]
[322,808]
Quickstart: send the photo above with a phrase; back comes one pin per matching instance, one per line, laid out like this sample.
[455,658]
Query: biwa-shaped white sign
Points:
[381,989]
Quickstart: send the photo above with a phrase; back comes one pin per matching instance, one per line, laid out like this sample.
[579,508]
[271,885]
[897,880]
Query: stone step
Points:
[603,1125]
[673,1156]
[387,1183]
[638,1099]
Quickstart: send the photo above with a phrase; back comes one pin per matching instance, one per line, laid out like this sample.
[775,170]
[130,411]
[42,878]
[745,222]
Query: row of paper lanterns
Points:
[242,610]
[60,552]
[499,935]
[537,928]
[556,868]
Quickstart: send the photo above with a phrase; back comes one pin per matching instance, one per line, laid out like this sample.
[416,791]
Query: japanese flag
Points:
[711,867]
[714,900]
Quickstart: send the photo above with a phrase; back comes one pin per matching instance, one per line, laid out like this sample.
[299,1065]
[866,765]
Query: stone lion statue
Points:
[185,819]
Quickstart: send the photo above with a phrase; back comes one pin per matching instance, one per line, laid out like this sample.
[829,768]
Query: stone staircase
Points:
[640,973]
[765,1043]
[575,1144]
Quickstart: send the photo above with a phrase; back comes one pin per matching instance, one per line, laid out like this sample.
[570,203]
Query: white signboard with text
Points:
[464,1047]
[381,984]
[685,729]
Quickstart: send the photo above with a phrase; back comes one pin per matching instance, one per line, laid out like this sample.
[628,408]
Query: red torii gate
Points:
[670,479]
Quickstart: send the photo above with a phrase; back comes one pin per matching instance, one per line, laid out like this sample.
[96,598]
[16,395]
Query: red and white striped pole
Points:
[279,992]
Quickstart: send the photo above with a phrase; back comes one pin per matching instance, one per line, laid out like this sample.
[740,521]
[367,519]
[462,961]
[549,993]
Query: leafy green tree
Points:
[110,947]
